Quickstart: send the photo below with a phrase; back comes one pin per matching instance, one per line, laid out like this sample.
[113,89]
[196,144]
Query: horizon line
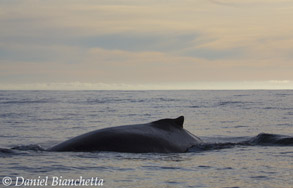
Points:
[200,85]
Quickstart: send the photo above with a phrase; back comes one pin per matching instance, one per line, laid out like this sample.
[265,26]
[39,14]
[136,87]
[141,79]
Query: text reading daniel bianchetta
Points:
[53,181]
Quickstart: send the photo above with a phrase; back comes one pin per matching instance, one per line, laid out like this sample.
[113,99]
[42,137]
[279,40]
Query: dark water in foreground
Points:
[243,132]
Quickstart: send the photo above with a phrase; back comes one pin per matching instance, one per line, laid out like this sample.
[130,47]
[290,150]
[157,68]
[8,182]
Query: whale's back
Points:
[161,136]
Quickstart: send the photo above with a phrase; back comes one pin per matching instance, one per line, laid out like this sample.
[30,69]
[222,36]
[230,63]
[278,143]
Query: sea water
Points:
[31,121]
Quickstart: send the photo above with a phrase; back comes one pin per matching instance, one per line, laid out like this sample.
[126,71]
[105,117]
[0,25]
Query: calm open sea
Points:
[31,121]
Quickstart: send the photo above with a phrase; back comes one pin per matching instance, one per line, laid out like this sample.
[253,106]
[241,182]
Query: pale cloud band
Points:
[245,85]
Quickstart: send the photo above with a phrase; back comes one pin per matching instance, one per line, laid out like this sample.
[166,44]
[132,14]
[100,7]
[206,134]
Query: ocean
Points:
[248,138]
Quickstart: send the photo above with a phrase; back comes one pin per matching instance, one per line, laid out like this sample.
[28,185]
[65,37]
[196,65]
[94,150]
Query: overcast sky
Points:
[146,44]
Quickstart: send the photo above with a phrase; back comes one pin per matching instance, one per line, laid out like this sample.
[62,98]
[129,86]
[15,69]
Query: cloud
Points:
[145,41]
[138,42]
[280,81]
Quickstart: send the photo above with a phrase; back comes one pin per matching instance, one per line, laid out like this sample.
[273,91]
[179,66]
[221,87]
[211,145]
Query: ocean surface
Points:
[247,134]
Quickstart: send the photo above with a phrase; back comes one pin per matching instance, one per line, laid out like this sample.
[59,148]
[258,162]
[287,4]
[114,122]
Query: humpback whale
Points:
[161,136]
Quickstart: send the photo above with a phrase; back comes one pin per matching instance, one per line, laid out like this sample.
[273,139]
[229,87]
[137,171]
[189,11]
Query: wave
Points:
[224,103]
[31,147]
[27,101]
[6,151]
[271,140]
[111,100]
[234,103]
[198,106]
[126,100]
[20,150]
[262,139]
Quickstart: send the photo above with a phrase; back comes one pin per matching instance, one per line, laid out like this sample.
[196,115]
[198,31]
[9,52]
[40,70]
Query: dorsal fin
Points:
[178,122]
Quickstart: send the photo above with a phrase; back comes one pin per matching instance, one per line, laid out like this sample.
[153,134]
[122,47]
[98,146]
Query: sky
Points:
[146,44]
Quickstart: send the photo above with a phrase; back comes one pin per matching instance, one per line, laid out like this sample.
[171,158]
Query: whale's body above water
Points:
[162,136]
